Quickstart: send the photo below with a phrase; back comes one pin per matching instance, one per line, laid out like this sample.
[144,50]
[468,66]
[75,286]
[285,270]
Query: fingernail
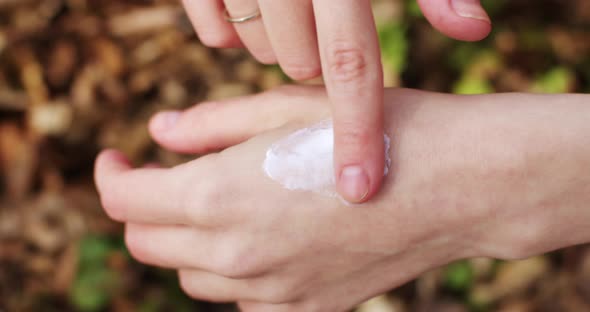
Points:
[166,120]
[354,184]
[470,9]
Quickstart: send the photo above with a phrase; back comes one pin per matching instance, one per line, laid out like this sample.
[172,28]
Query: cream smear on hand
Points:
[304,160]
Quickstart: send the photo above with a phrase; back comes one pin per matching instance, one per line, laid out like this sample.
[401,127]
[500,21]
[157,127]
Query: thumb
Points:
[459,19]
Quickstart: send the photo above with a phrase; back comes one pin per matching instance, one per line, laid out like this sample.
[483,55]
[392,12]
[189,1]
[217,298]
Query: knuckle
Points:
[208,204]
[237,262]
[193,287]
[184,280]
[188,207]
[204,205]
[212,194]
[353,134]
[279,294]
[232,266]
[346,62]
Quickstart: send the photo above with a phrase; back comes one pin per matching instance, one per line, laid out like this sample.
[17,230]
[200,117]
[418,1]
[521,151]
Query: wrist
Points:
[537,185]
[431,137]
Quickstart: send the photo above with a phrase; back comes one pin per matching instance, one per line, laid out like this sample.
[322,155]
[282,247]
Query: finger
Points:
[250,306]
[215,288]
[209,22]
[210,287]
[352,69]
[460,19]
[216,125]
[152,165]
[252,32]
[142,195]
[291,29]
[188,248]
[166,246]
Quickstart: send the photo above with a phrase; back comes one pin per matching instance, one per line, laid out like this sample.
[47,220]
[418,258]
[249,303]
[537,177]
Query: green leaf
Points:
[94,249]
[151,305]
[473,85]
[479,66]
[394,46]
[413,9]
[556,80]
[534,39]
[93,289]
[463,54]
[95,282]
[458,276]
[493,7]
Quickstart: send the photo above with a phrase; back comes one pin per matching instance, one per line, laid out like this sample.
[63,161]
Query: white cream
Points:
[304,159]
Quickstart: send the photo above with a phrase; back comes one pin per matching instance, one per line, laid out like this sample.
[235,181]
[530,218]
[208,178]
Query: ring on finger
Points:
[241,19]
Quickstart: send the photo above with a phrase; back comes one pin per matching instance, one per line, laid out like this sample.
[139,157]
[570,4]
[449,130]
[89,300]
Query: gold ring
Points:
[241,19]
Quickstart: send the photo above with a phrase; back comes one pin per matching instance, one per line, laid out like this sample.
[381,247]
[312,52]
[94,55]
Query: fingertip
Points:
[110,160]
[354,184]
[470,31]
[464,20]
[361,174]
[471,9]
[357,184]
[109,163]
[163,123]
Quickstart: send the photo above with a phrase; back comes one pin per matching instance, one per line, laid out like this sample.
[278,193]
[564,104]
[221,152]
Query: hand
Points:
[338,38]
[236,235]
[459,187]
[298,34]
[289,31]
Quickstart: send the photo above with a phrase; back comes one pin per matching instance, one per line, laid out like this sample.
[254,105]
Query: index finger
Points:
[351,63]
[147,195]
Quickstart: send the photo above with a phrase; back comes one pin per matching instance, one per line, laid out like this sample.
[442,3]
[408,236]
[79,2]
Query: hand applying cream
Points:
[304,160]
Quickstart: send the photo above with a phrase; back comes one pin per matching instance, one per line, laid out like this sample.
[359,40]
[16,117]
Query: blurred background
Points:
[77,76]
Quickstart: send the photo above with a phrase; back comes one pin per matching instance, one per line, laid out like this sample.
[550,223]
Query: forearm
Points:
[547,193]
[508,174]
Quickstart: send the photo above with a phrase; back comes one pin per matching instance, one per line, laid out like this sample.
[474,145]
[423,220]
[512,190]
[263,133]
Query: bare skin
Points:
[491,175]
[339,39]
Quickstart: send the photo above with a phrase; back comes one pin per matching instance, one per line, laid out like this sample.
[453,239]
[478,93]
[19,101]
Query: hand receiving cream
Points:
[304,160]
